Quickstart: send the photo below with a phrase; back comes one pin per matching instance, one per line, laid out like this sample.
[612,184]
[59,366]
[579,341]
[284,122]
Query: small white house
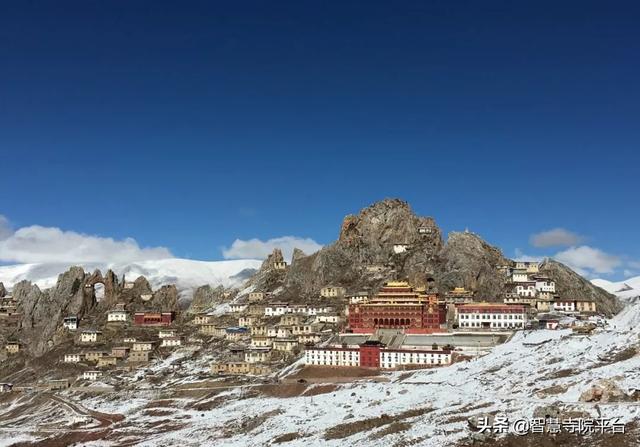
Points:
[171,342]
[90,336]
[167,333]
[256,355]
[146,296]
[129,340]
[70,323]
[238,307]
[91,375]
[142,346]
[520,276]
[73,358]
[545,285]
[129,285]
[328,318]
[400,248]
[117,316]
[280,265]
[332,292]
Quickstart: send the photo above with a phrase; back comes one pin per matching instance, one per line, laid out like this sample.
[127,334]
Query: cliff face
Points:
[387,240]
[42,312]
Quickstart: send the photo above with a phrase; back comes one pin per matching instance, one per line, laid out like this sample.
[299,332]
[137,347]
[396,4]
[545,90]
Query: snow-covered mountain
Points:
[186,274]
[628,288]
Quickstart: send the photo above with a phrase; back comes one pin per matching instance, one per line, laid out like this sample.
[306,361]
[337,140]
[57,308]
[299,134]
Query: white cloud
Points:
[557,237]
[37,244]
[628,273]
[5,228]
[258,249]
[588,260]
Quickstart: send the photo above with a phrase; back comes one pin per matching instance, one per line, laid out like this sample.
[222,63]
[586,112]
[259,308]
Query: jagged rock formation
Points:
[3,291]
[387,240]
[206,297]
[42,312]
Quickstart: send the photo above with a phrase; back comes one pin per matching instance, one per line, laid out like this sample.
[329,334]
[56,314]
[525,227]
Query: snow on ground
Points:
[186,274]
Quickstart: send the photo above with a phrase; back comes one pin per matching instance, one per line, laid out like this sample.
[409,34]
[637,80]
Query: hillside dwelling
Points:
[129,340]
[280,265]
[212,329]
[139,356]
[526,289]
[57,384]
[90,336]
[236,333]
[545,285]
[491,316]
[106,361]
[285,344]
[256,310]
[309,339]
[129,285]
[543,295]
[276,309]
[248,321]
[91,375]
[261,341]
[171,342]
[94,356]
[400,248]
[73,358]
[120,352]
[360,297]
[117,316]
[424,230]
[153,318]
[332,292]
[528,266]
[328,318]
[143,346]
[146,296]
[586,306]
[256,297]
[238,307]
[6,387]
[544,305]
[70,323]
[167,333]
[12,347]
[375,268]
[284,332]
[563,305]
[230,368]
[203,318]
[259,330]
[290,319]
[303,329]
[315,310]
[257,355]
[520,276]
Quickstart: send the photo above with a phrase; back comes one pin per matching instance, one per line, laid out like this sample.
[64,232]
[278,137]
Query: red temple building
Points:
[398,306]
[153,318]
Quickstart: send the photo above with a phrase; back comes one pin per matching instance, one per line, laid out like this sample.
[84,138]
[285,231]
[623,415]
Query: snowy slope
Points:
[185,273]
[618,288]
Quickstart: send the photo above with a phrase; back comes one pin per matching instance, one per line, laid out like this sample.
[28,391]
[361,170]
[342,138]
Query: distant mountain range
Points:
[186,274]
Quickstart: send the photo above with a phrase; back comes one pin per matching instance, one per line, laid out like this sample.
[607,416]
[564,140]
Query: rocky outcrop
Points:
[3,291]
[205,298]
[112,288]
[606,390]
[387,240]
[42,311]
[468,261]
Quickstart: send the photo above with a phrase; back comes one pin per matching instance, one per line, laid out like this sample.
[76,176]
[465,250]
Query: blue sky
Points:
[189,125]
